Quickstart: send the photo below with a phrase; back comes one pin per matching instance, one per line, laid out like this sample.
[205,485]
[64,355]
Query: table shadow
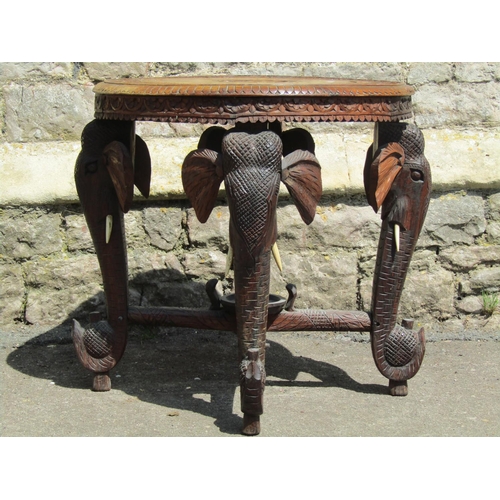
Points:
[185,370]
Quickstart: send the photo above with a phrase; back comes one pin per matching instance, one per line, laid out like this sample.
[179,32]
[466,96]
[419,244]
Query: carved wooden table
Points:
[252,158]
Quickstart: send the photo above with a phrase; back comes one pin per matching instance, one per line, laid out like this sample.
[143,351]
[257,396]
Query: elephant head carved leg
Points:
[111,161]
[252,167]
[252,174]
[398,179]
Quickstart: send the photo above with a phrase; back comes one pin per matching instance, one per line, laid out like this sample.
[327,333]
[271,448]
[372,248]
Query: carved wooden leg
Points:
[248,159]
[252,165]
[397,177]
[104,175]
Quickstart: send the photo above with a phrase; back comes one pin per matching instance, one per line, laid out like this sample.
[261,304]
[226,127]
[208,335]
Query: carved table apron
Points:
[252,155]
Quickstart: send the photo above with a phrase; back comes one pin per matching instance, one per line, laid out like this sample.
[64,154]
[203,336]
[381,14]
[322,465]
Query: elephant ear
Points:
[142,167]
[121,170]
[301,174]
[201,178]
[211,138]
[380,172]
[297,138]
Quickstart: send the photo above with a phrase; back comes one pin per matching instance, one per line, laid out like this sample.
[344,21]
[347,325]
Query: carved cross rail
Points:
[298,320]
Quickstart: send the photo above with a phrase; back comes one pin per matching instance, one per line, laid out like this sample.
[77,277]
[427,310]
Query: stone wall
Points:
[48,269]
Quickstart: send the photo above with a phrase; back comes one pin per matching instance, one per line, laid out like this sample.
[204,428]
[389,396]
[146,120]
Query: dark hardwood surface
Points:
[232,99]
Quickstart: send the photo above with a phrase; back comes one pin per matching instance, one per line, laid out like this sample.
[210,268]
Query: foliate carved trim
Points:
[203,109]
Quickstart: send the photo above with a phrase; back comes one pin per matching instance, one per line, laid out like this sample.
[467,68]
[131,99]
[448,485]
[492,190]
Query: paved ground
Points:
[175,383]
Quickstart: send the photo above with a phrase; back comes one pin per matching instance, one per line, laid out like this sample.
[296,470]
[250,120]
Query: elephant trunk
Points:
[398,352]
[251,284]
[112,257]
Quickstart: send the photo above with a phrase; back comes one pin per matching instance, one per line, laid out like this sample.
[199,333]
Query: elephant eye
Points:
[91,167]
[417,175]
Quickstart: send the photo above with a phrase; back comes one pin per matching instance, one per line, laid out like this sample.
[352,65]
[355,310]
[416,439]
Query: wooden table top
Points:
[230,99]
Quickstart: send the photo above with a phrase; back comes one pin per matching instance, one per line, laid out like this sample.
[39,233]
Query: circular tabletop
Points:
[231,99]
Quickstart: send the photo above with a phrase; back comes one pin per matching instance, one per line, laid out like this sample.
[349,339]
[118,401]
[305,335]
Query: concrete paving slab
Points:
[173,383]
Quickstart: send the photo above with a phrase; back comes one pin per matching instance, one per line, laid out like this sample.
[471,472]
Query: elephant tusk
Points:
[109,227]
[229,260]
[277,258]
[396,235]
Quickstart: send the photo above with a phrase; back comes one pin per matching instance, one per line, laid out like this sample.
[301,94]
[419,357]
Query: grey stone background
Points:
[49,272]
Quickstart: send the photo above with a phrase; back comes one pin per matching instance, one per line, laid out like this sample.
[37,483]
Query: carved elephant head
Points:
[111,161]
[251,166]
[398,179]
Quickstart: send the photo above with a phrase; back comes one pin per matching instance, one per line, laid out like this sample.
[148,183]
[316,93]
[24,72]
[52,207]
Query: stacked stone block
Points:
[48,269]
